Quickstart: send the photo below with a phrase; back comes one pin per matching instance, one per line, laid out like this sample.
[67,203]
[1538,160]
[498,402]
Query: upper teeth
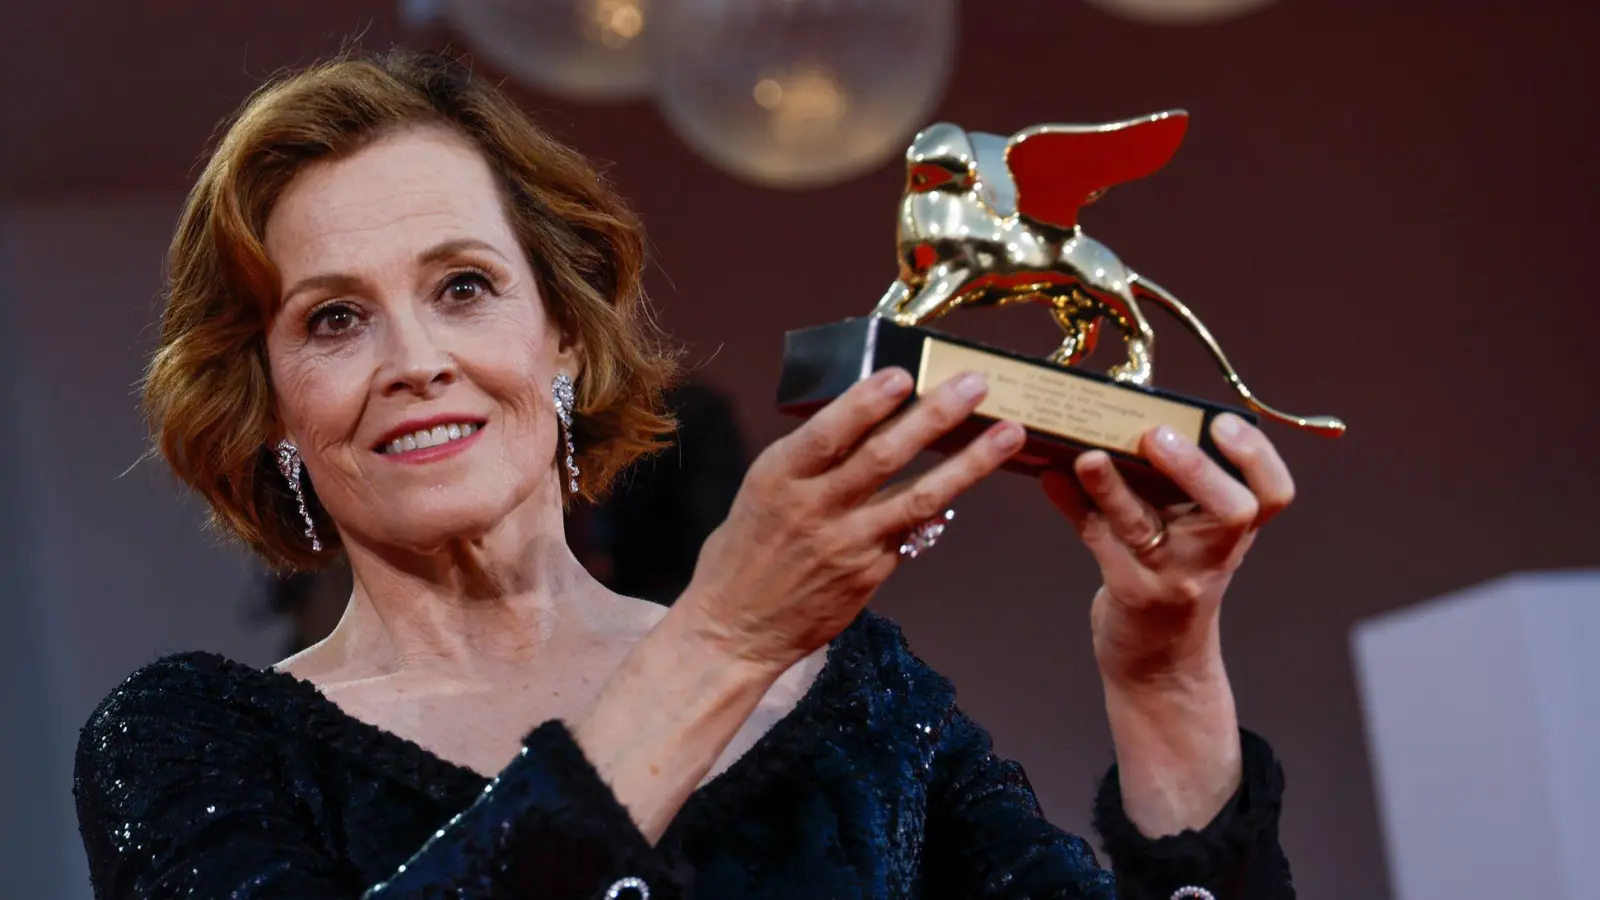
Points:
[431,437]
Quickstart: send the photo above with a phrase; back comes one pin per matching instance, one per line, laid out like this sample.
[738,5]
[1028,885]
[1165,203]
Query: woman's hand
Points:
[813,532]
[1155,618]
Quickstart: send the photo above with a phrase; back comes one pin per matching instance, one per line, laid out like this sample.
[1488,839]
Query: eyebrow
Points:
[446,249]
[341,283]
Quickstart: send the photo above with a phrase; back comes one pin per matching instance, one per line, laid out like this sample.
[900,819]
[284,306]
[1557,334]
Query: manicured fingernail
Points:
[1227,426]
[1169,442]
[1094,464]
[970,385]
[895,383]
[1008,438]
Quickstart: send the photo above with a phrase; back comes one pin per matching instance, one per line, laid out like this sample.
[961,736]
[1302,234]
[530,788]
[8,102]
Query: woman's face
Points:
[411,355]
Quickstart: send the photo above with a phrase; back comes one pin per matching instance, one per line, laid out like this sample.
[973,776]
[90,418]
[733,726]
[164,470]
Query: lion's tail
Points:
[1327,426]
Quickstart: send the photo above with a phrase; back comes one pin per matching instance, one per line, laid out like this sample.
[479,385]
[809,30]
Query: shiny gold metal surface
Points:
[1046,399]
[990,220]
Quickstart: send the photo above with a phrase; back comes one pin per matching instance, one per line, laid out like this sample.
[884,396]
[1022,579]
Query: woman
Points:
[404,328]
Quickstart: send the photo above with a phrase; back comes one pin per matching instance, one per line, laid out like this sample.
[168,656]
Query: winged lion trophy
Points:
[992,220]
[989,220]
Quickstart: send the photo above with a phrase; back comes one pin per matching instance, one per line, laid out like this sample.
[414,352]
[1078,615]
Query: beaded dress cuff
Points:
[547,826]
[1235,857]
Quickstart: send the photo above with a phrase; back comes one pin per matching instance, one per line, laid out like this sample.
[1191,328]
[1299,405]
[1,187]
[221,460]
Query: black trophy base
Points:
[1065,410]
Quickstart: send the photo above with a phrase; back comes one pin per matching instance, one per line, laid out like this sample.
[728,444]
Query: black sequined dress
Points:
[200,777]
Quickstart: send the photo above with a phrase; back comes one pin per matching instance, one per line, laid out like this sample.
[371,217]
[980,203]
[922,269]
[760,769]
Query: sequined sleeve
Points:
[987,833]
[181,793]
[1237,856]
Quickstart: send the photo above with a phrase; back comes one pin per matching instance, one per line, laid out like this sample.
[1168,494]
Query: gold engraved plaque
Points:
[1065,410]
[1050,400]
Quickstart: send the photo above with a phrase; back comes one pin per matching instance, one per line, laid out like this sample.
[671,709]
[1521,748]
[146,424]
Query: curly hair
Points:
[207,392]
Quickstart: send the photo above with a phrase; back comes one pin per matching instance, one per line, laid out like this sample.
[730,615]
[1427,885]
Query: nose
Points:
[414,362]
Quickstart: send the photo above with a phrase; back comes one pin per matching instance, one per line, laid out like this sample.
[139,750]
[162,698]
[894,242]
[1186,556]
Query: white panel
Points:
[1562,622]
[1480,715]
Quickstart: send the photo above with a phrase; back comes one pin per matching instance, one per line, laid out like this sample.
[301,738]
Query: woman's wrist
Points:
[665,716]
[685,635]
[1177,744]
[718,641]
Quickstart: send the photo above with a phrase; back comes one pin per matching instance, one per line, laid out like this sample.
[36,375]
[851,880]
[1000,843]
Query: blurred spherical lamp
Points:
[1178,12]
[801,93]
[585,50]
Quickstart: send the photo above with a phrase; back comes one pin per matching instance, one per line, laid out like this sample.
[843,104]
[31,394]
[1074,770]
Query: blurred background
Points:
[1383,209]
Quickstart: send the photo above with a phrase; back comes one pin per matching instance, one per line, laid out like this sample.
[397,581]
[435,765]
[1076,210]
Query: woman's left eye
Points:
[467,286]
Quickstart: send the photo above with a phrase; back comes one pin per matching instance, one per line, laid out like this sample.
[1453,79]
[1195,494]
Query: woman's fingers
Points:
[890,448]
[928,495]
[1199,476]
[1128,518]
[833,431]
[1263,469]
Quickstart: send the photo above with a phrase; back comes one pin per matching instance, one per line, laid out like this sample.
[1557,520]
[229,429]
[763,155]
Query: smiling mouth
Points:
[424,438]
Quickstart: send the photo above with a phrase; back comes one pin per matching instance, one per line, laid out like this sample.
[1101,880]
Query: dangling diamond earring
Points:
[289,465]
[561,389]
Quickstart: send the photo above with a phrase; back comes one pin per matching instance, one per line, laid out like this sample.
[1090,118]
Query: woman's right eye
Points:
[332,319]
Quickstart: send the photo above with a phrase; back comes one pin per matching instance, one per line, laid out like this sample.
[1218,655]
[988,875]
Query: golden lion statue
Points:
[988,220]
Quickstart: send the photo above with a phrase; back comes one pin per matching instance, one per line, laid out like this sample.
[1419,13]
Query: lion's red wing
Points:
[1056,168]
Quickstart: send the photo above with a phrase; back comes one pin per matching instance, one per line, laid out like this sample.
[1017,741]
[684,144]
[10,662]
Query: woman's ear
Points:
[570,354]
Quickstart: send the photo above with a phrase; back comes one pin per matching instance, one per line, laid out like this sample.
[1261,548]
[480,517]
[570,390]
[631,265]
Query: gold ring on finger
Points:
[1156,539]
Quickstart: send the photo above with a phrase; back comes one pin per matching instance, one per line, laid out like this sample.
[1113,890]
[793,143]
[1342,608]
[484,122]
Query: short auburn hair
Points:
[207,391]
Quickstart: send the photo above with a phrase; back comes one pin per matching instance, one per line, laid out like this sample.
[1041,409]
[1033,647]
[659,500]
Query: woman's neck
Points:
[475,608]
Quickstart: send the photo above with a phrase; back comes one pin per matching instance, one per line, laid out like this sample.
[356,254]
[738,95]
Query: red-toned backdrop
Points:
[1383,209]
